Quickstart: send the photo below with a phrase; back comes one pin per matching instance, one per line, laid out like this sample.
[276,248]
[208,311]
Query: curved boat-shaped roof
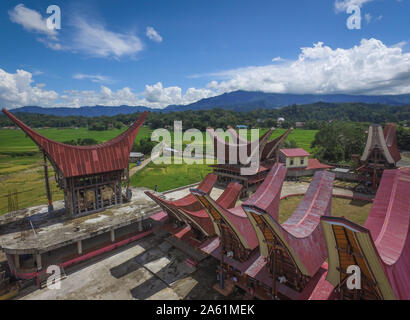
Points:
[239,143]
[200,219]
[266,147]
[383,241]
[385,140]
[86,160]
[267,196]
[274,145]
[189,202]
[234,134]
[301,234]
[390,136]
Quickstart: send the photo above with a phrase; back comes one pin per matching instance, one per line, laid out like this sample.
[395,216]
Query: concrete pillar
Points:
[17,261]
[79,247]
[140,225]
[38,261]
[112,233]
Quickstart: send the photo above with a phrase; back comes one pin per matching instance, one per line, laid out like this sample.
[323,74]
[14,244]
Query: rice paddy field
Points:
[169,176]
[353,210]
[21,169]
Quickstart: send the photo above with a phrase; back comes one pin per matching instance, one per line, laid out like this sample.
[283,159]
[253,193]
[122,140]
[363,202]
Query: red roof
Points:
[389,224]
[266,147]
[86,160]
[315,164]
[390,136]
[296,152]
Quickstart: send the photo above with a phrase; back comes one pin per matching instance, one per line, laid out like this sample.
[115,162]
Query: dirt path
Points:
[142,165]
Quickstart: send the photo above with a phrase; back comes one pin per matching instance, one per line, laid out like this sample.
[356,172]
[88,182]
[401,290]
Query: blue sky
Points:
[162,52]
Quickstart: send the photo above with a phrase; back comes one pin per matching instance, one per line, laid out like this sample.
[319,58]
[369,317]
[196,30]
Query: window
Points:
[302,161]
[291,162]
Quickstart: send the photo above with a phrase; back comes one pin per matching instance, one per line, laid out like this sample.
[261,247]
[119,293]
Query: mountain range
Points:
[237,100]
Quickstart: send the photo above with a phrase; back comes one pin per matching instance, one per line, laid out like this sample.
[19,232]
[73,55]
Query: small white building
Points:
[136,156]
[294,158]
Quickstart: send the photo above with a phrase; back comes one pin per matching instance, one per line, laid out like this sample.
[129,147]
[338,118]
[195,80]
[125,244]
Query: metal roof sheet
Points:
[86,160]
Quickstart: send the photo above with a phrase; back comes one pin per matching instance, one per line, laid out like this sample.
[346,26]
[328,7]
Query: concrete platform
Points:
[57,230]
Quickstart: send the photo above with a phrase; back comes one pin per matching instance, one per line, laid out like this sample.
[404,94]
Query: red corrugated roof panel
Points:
[295,152]
[390,136]
[315,164]
[86,160]
[389,223]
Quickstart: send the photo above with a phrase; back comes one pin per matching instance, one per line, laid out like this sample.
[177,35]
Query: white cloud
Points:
[400,44]
[93,77]
[342,5]
[91,38]
[31,20]
[278,59]
[368,17]
[17,89]
[369,68]
[154,96]
[157,96]
[153,35]
[95,40]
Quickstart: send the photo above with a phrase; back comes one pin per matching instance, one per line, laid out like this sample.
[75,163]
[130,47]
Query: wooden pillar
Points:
[38,261]
[79,247]
[112,233]
[17,261]
[140,225]
[120,191]
[221,275]
[274,287]
[96,198]
[50,200]
[73,197]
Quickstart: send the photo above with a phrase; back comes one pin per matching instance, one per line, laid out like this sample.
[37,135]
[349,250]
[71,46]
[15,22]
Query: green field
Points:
[21,163]
[353,210]
[169,176]
[15,141]
[303,138]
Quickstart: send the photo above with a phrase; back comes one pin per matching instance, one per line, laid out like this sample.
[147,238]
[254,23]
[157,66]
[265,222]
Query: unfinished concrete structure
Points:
[33,239]
[91,177]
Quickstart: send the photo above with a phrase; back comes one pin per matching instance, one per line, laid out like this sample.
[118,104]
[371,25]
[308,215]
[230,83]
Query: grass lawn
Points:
[30,185]
[353,210]
[169,176]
